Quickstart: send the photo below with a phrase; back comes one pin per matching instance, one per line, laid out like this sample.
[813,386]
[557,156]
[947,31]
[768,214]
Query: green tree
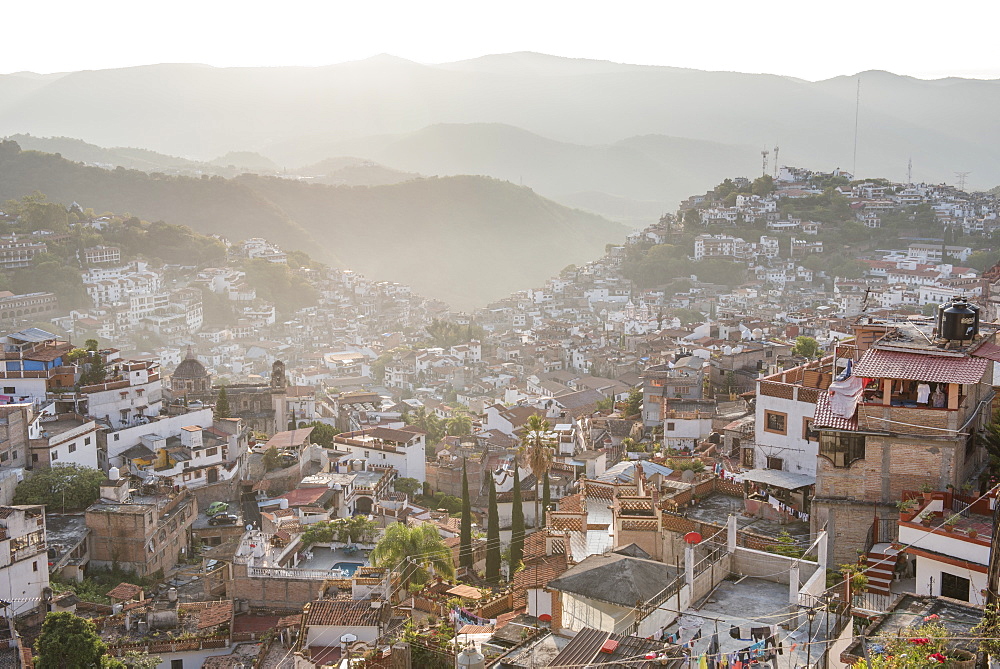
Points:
[633,405]
[492,535]
[72,487]
[222,404]
[407,486]
[414,551]
[465,557]
[459,425]
[95,370]
[271,459]
[68,642]
[322,433]
[607,405]
[546,499]
[516,525]
[806,347]
[536,452]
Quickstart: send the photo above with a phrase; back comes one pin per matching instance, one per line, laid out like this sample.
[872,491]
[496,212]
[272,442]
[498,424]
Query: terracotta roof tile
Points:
[346,612]
[824,416]
[215,615]
[125,591]
[878,363]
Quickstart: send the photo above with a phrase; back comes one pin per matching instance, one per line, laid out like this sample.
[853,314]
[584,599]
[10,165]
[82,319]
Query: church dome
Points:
[190,368]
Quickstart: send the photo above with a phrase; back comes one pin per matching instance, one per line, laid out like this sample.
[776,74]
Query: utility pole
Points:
[909,172]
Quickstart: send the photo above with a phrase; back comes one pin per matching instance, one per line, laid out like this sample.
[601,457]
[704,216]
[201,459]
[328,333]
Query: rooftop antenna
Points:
[961,179]
[857,112]
[909,172]
[775,161]
[763,162]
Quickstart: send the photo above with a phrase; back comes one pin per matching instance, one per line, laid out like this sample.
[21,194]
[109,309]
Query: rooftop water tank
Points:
[958,320]
[114,474]
[470,658]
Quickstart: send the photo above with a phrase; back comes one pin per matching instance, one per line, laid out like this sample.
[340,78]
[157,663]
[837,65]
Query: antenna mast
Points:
[961,179]
[857,112]
[909,172]
[775,161]
[763,161]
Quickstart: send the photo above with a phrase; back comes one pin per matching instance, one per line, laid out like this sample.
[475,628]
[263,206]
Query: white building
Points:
[24,571]
[384,447]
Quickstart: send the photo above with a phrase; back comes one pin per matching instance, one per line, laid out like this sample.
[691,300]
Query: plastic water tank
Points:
[958,320]
[470,658]
[114,474]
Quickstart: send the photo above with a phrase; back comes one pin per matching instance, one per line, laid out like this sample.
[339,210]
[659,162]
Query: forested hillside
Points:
[456,239]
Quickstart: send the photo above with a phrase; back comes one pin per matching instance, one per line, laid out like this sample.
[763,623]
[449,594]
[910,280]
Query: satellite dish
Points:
[692,538]
[249,527]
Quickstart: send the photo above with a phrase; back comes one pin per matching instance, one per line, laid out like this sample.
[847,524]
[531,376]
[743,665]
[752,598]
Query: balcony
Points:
[27,552]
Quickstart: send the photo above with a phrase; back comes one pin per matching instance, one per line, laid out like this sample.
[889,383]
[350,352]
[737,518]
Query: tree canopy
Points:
[68,642]
[79,486]
[415,552]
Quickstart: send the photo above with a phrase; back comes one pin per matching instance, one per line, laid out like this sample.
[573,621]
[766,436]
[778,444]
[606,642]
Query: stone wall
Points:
[282,593]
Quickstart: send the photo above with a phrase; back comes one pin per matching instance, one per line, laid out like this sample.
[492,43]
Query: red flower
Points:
[932,616]
[937,657]
[920,641]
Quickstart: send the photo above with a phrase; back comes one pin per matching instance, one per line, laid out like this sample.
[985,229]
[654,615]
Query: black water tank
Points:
[958,320]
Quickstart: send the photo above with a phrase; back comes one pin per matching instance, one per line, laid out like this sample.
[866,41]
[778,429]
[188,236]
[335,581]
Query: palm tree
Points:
[537,453]
[459,425]
[414,551]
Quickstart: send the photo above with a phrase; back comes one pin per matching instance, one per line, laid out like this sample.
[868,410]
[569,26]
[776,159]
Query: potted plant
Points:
[949,525]
[907,509]
[927,491]
[925,518]
[972,534]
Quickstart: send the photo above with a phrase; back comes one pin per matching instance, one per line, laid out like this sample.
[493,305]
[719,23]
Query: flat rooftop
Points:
[750,602]
[717,507]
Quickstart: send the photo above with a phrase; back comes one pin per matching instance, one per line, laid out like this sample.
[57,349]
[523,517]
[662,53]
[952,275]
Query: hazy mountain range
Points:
[465,239]
[632,133]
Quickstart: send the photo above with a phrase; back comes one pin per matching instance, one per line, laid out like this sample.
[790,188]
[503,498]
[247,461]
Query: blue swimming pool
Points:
[349,567]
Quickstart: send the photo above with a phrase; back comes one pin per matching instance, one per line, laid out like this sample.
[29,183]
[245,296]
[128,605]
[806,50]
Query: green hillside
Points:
[466,240]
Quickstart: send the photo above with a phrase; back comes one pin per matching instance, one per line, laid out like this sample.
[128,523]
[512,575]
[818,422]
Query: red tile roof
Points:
[824,416]
[347,613]
[304,496]
[216,615]
[881,364]
[125,591]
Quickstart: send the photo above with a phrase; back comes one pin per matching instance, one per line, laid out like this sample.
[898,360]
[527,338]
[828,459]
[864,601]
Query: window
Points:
[368,454]
[54,455]
[86,442]
[748,458]
[4,457]
[117,437]
[955,587]
[808,433]
[9,390]
[72,448]
[842,449]
[775,421]
[176,664]
[34,566]
[775,463]
[670,427]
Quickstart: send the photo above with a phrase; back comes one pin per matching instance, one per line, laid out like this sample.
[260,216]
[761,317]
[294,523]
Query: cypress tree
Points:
[546,499]
[493,536]
[516,525]
[465,531]
[222,409]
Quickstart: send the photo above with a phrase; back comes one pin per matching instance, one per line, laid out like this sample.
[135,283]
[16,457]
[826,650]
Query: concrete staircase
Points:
[880,564]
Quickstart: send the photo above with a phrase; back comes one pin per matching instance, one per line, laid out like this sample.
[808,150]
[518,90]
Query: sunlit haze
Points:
[807,40]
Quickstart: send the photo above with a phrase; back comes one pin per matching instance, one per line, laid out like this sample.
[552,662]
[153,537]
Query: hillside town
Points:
[769,457]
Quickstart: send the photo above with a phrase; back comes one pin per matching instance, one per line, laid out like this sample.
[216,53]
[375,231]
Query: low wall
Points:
[770,566]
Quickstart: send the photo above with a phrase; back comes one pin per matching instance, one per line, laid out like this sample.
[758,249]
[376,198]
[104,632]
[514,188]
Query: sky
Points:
[808,40]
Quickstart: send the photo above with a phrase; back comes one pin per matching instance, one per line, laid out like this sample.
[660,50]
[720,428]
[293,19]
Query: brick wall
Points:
[277,592]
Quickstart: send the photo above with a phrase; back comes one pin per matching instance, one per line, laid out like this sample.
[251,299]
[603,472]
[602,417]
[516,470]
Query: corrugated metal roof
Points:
[786,480]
